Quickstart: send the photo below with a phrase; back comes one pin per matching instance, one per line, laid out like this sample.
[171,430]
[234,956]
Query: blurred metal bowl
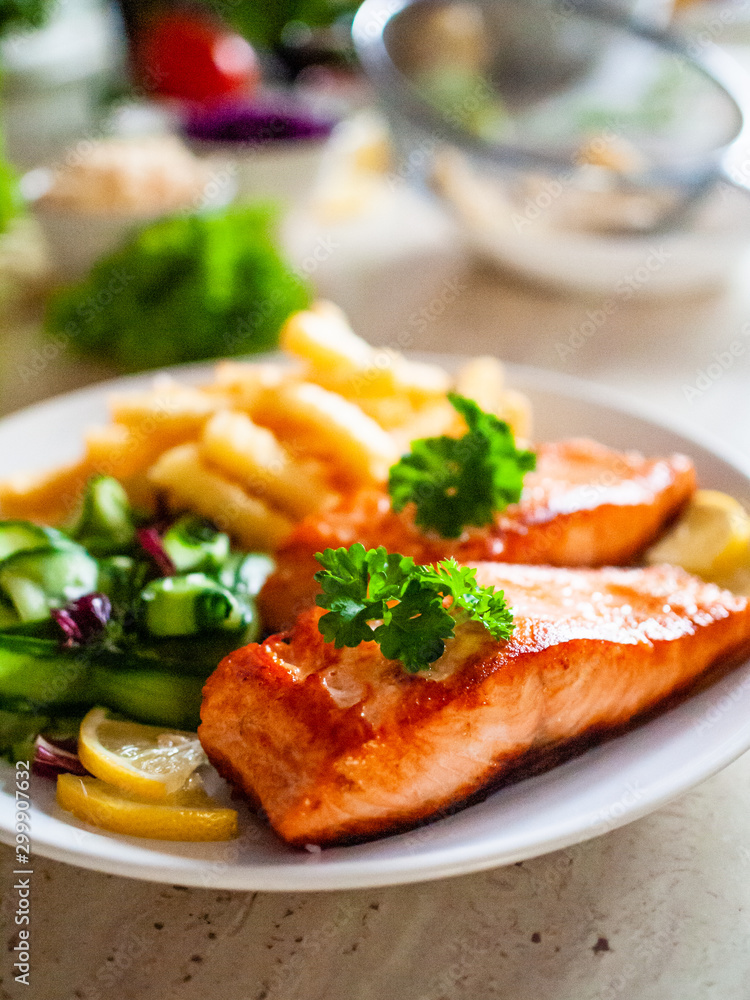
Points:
[589,216]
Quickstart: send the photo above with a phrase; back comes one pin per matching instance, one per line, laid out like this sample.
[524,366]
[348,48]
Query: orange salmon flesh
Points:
[584,505]
[342,745]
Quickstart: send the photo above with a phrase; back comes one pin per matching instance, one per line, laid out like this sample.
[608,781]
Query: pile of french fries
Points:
[263,445]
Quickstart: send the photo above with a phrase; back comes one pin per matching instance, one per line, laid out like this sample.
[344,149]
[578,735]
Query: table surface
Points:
[657,909]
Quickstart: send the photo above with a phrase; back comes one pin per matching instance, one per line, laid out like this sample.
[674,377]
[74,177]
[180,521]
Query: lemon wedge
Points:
[711,539]
[187,815]
[148,761]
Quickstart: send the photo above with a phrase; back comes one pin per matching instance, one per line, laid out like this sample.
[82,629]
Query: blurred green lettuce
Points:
[21,15]
[262,21]
[186,288]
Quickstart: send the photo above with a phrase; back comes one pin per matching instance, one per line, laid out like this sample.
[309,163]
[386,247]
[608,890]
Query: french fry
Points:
[483,380]
[167,407]
[388,375]
[191,484]
[251,456]
[322,337]
[141,492]
[242,385]
[111,450]
[391,412]
[516,410]
[264,444]
[121,451]
[420,380]
[392,390]
[46,497]
[339,360]
[308,418]
[432,420]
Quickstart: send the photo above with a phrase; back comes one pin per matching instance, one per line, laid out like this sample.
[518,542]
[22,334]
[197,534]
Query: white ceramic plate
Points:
[604,788]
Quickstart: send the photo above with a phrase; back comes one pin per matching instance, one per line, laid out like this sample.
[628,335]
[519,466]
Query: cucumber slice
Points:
[121,578]
[8,617]
[39,672]
[21,536]
[18,730]
[154,696]
[245,573]
[189,605]
[195,655]
[106,524]
[37,677]
[28,597]
[42,579]
[194,545]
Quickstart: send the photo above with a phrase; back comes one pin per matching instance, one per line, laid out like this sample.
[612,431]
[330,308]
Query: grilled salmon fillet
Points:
[341,745]
[584,505]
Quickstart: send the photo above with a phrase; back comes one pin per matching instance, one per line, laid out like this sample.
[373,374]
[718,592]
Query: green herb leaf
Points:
[455,482]
[384,597]
[470,601]
[414,630]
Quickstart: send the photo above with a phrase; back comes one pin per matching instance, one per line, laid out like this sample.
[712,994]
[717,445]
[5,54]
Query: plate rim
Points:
[441,862]
[590,390]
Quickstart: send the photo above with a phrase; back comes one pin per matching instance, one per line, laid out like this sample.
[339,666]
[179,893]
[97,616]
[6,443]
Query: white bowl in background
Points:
[521,236]
[283,171]
[77,240]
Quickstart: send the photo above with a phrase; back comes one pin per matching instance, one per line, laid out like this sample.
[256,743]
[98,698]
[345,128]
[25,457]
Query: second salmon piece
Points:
[340,745]
[584,505]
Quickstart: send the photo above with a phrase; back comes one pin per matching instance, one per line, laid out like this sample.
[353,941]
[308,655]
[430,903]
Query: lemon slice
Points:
[149,761]
[188,815]
[711,539]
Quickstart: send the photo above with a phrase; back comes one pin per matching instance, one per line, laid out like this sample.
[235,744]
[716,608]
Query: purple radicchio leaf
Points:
[257,124]
[151,543]
[51,760]
[83,619]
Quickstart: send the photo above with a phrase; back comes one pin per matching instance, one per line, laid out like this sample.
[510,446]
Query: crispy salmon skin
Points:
[340,745]
[584,505]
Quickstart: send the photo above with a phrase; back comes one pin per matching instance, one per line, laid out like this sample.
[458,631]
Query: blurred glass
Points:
[54,78]
[547,80]
[564,137]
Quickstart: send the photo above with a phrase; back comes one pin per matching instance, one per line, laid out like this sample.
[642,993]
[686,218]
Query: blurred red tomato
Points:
[184,55]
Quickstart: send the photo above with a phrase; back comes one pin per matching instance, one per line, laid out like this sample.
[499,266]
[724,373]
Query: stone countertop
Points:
[657,909]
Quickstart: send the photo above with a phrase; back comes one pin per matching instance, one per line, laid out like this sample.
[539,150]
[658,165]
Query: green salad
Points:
[118,611]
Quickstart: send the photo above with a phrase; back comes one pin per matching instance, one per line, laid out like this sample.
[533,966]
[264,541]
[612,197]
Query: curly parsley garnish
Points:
[455,482]
[381,596]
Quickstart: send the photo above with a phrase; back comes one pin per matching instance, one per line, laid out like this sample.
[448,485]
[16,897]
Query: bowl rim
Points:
[369,35]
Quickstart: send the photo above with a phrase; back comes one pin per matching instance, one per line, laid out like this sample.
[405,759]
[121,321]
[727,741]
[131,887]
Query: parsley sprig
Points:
[381,596]
[455,482]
